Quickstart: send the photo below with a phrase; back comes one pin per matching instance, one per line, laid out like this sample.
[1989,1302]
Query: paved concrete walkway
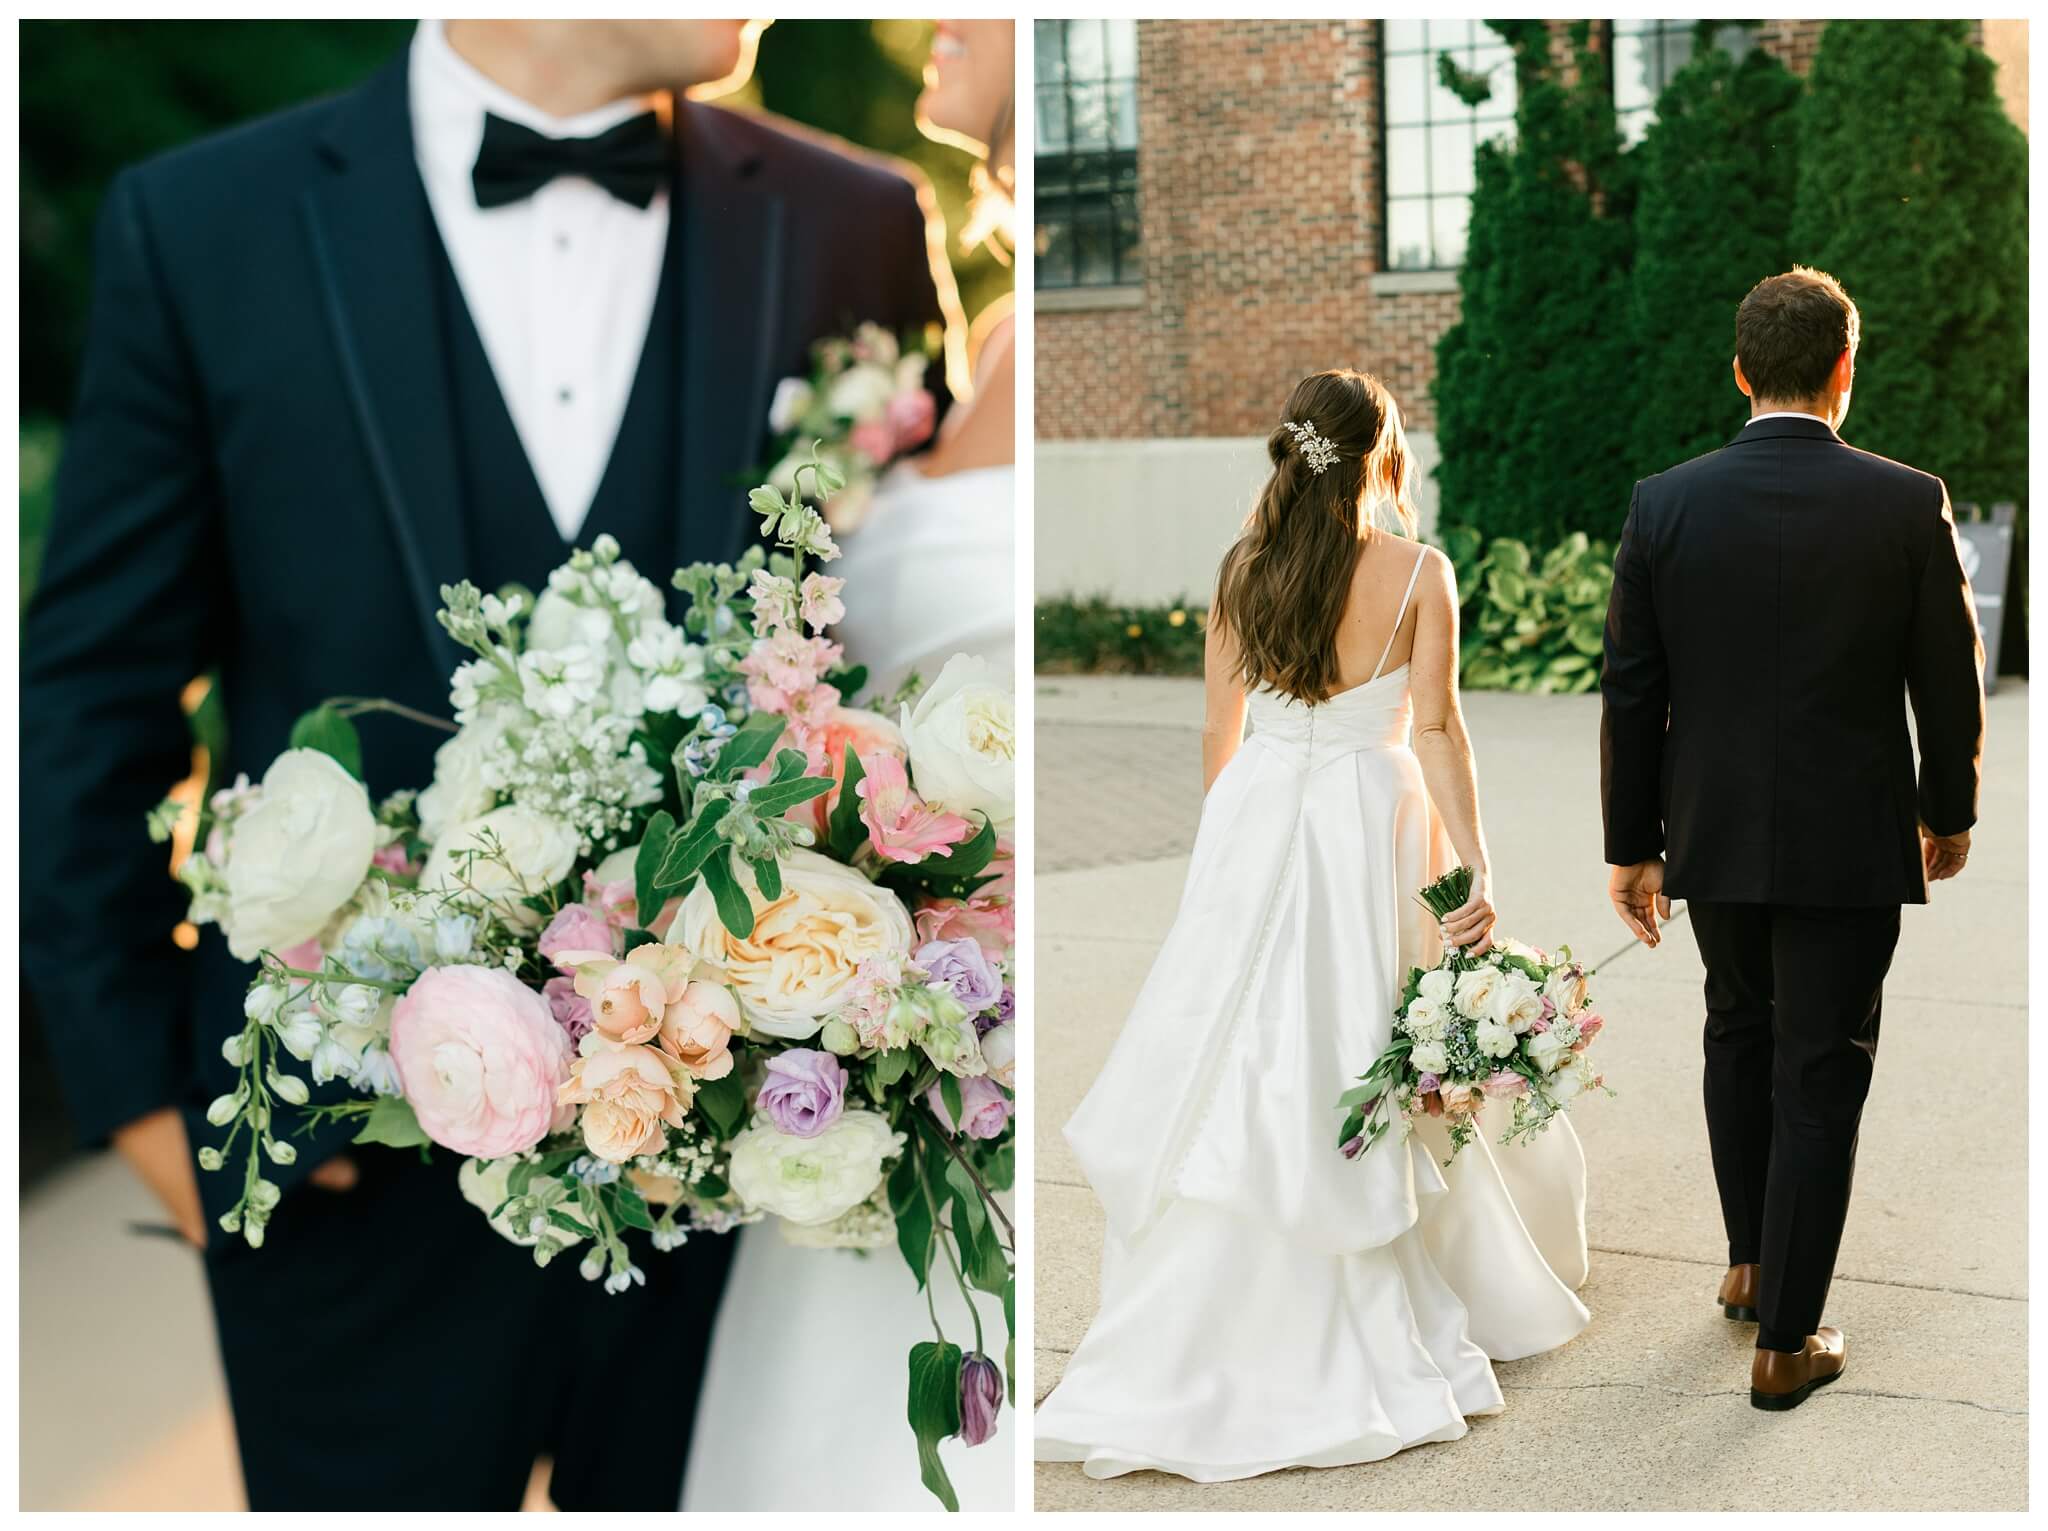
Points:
[1648,1409]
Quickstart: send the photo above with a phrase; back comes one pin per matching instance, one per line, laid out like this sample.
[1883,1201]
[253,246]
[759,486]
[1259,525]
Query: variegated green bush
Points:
[1531,624]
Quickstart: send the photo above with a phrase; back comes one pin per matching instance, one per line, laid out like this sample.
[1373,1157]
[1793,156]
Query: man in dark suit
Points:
[507,295]
[1775,603]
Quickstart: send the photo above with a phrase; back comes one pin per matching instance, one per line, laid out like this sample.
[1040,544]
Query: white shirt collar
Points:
[450,97]
[1784,414]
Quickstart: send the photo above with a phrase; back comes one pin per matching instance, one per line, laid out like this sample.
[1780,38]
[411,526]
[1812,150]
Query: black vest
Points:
[511,537]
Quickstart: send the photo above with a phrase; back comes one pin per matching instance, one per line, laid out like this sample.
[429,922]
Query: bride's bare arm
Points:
[1444,748]
[1222,703]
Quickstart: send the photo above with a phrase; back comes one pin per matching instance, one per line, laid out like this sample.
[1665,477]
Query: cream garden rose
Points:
[794,970]
[534,852]
[813,1180]
[962,737]
[297,854]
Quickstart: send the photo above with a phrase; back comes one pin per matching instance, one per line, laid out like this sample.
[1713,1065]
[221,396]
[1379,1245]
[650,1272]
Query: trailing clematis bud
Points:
[981,1398]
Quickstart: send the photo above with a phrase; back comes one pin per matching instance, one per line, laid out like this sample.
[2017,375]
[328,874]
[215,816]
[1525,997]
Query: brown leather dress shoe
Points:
[1781,1379]
[1738,1292]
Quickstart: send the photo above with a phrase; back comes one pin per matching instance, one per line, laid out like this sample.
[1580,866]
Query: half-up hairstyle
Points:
[1282,587]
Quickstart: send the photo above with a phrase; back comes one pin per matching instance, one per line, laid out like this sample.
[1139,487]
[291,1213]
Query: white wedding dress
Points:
[805,1393]
[1265,1302]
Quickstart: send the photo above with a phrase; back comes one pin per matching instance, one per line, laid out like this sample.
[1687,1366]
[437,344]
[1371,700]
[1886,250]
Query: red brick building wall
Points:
[1260,197]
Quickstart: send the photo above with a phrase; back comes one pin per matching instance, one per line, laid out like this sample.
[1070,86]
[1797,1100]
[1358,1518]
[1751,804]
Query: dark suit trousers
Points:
[1793,998]
[387,1350]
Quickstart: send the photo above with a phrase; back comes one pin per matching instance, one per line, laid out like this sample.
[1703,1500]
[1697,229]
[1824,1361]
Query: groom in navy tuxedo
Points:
[506,295]
[1775,605]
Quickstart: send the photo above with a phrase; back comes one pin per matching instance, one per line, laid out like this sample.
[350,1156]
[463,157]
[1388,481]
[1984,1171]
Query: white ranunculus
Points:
[1435,985]
[1494,1039]
[812,1180]
[792,398]
[297,854]
[460,791]
[1548,1049]
[1428,1058]
[1475,991]
[962,737]
[793,970]
[530,853]
[1517,1003]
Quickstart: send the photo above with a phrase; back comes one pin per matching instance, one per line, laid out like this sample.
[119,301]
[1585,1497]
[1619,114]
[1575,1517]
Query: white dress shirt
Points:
[560,285]
[1783,414]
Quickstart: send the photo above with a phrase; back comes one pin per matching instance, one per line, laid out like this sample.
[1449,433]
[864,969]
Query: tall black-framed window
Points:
[1086,159]
[1430,135]
[1642,58]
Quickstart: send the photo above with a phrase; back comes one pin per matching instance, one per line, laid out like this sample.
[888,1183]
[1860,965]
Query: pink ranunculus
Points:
[875,440]
[901,825]
[1589,1028]
[984,1108]
[1504,1083]
[911,415]
[479,1058]
[570,1009]
[577,928]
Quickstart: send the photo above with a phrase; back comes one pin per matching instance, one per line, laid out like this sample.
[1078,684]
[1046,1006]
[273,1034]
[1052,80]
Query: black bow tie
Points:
[631,161]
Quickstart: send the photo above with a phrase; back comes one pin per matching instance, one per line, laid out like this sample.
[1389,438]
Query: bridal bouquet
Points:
[1510,1024]
[675,940]
[863,406]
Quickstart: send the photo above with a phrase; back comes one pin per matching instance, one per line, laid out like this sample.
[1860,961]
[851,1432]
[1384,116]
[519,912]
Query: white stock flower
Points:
[297,854]
[462,788]
[962,737]
[560,682]
[671,669]
[812,1180]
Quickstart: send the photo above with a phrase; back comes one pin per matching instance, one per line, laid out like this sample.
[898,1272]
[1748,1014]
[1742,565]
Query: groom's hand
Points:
[1637,893]
[1943,855]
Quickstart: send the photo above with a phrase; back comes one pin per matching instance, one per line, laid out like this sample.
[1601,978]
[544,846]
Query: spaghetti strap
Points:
[1401,615]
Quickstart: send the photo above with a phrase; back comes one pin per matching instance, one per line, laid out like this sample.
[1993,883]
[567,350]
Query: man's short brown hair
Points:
[1790,329]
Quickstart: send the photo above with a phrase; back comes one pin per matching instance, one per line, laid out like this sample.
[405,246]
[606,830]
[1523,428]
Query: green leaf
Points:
[949,1092]
[562,1219]
[768,877]
[390,1121]
[772,800]
[653,847]
[749,745]
[723,1102]
[735,910]
[629,1206]
[1010,1324]
[688,849]
[888,1067]
[850,681]
[913,1217]
[935,1411]
[327,731]
[847,829]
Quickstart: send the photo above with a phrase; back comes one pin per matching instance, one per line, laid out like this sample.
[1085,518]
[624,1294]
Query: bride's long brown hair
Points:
[1282,587]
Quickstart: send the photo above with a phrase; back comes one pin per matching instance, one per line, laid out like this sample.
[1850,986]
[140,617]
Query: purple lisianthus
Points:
[804,1093]
[981,1398]
[570,1009]
[576,928]
[963,967]
[1004,1012]
[1427,1084]
[984,1107]
[1352,1147]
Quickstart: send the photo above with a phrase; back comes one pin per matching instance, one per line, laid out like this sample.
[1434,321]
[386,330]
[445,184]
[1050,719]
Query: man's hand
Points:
[157,1149]
[1637,893]
[1943,855]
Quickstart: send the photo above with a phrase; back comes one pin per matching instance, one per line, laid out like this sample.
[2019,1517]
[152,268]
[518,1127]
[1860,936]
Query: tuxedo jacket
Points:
[253,482]
[1775,606]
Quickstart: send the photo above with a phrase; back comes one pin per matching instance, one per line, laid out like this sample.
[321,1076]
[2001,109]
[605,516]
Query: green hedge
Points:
[1093,636]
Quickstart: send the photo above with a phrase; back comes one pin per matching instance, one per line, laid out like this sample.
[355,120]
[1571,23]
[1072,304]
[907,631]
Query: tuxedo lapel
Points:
[376,252]
[729,227]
